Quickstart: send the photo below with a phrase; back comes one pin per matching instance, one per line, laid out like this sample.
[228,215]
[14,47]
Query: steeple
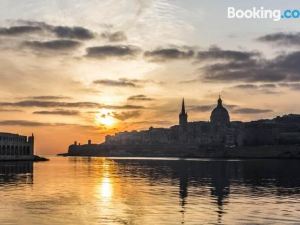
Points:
[183,107]
[183,116]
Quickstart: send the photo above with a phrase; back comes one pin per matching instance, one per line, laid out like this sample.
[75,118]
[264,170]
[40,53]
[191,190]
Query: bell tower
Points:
[183,116]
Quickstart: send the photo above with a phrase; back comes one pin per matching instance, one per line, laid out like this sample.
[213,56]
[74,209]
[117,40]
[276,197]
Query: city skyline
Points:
[78,70]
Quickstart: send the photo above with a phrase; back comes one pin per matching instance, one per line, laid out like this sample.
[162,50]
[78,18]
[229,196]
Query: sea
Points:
[144,191]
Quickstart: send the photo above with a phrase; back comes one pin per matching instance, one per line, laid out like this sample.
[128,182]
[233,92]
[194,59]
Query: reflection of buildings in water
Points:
[218,173]
[253,175]
[17,172]
[220,187]
[183,191]
[214,174]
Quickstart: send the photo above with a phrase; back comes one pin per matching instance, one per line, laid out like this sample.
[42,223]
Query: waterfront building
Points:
[218,133]
[16,147]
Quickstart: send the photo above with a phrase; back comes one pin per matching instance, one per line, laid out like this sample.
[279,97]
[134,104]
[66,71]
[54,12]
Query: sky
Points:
[75,70]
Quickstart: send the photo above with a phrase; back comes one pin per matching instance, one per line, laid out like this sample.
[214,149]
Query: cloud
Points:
[29,27]
[47,104]
[55,45]
[280,38]
[24,123]
[233,109]
[262,88]
[115,36]
[124,82]
[10,110]
[55,104]
[251,111]
[292,86]
[126,115]
[139,98]
[191,81]
[284,67]
[112,51]
[48,97]
[80,33]
[123,107]
[166,54]
[19,30]
[208,108]
[215,53]
[245,86]
[29,123]
[117,83]
[59,112]
[202,108]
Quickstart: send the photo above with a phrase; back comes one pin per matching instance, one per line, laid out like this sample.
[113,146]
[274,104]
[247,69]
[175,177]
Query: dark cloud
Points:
[112,51]
[246,86]
[292,86]
[216,53]
[59,112]
[55,45]
[251,111]
[117,83]
[263,88]
[161,55]
[19,30]
[126,115]
[280,38]
[80,33]
[75,32]
[285,67]
[124,82]
[140,98]
[115,36]
[268,85]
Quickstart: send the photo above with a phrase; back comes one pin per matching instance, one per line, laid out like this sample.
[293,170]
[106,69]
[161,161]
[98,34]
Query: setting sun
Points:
[105,118]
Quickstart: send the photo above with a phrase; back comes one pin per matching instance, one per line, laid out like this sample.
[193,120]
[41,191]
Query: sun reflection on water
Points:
[106,189]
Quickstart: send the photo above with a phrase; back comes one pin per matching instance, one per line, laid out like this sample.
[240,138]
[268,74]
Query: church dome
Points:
[219,115]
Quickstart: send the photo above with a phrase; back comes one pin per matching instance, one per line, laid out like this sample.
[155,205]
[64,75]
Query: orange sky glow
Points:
[79,70]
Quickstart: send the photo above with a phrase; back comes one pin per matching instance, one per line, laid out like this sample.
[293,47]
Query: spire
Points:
[219,101]
[183,107]
[183,116]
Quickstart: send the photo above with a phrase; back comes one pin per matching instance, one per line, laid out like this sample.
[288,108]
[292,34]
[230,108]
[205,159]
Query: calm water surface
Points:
[89,191]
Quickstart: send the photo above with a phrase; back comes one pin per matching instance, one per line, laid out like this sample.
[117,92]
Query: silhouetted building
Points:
[218,132]
[16,147]
[183,117]
[219,116]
